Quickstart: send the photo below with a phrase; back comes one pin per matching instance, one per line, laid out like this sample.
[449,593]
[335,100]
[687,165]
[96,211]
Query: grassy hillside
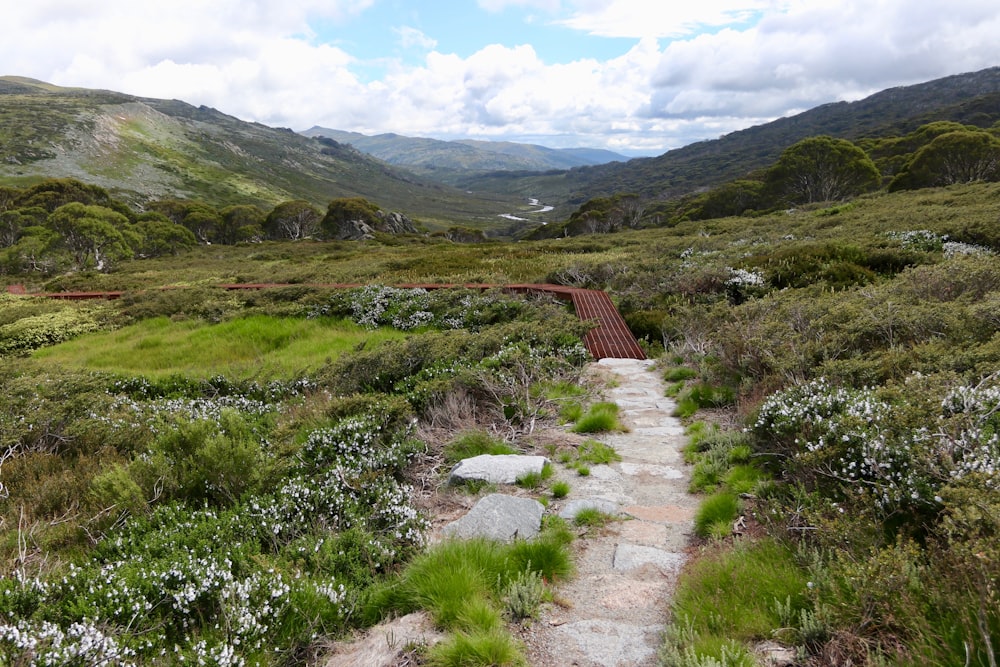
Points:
[144,149]
[972,98]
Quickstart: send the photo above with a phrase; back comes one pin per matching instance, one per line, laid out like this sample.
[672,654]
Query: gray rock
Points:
[776,655]
[631,556]
[386,223]
[394,223]
[611,643]
[573,507]
[499,517]
[496,468]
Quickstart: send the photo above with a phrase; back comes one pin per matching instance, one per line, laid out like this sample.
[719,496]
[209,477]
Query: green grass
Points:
[462,584]
[558,391]
[591,517]
[570,412]
[475,443]
[732,594]
[560,489]
[252,347]
[707,475]
[596,452]
[743,478]
[491,648]
[716,514]
[679,373]
[702,395]
[599,418]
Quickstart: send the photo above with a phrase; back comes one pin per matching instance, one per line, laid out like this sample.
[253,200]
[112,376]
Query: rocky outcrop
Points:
[391,222]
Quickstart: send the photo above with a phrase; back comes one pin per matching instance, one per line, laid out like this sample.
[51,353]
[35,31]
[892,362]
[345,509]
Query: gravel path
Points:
[613,612]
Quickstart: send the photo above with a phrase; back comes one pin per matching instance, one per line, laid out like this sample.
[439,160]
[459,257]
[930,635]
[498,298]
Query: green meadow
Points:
[255,347]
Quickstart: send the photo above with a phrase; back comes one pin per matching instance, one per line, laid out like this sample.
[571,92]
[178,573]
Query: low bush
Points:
[523,596]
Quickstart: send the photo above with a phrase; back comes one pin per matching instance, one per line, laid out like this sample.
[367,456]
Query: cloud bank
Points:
[683,74]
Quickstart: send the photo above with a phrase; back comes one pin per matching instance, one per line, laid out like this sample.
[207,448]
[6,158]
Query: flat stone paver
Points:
[499,517]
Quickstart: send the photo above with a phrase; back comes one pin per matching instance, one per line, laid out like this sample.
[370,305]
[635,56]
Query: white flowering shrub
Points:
[972,443]
[842,440]
[743,284]
[230,522]
[851,443]
[918,239]
[219,585]
[957,248]
[744,278]
[414,308]
[46,643]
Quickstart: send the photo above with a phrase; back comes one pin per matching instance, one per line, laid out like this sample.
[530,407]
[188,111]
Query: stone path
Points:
[615,609]
[612,613]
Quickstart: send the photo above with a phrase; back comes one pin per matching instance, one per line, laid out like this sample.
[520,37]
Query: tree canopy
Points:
[961,156]
[91,233]
[296,219]
[821,169]
[348,209]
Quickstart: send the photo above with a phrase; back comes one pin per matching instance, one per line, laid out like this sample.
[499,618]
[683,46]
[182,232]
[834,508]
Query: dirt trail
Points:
[615,609]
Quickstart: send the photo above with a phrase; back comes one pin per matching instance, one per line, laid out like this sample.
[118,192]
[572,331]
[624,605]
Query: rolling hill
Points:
[972,98]
[144,149]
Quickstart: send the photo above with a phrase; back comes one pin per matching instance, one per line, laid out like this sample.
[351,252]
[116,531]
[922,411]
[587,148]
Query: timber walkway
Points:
[609,339]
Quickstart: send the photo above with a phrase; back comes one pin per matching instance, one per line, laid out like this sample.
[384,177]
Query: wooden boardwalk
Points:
[609,339]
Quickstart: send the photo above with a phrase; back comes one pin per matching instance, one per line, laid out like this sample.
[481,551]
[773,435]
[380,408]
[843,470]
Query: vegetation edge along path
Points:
[610,339]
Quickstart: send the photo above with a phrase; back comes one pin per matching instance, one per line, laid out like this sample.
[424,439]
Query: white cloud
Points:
[410,37]
[260,60]
[641,18]
[821,52]
[500,5]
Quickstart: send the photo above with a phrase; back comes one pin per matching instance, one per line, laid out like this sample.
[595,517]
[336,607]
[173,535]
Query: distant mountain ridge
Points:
[144,149]
[972,98]
[460,157]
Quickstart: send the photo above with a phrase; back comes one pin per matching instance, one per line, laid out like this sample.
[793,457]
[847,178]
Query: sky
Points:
[638,77]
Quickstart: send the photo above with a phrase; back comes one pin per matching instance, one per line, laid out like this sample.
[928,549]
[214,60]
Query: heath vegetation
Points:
[236,498]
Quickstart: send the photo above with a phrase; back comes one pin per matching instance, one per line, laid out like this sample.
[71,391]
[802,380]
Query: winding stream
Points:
[542,208]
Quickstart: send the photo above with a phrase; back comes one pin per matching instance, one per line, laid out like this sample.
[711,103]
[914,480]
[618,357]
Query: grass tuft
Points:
[477,649]
[560,489]
[596,452]
[475,443]
[720,508]
[599,418]
[591,517]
